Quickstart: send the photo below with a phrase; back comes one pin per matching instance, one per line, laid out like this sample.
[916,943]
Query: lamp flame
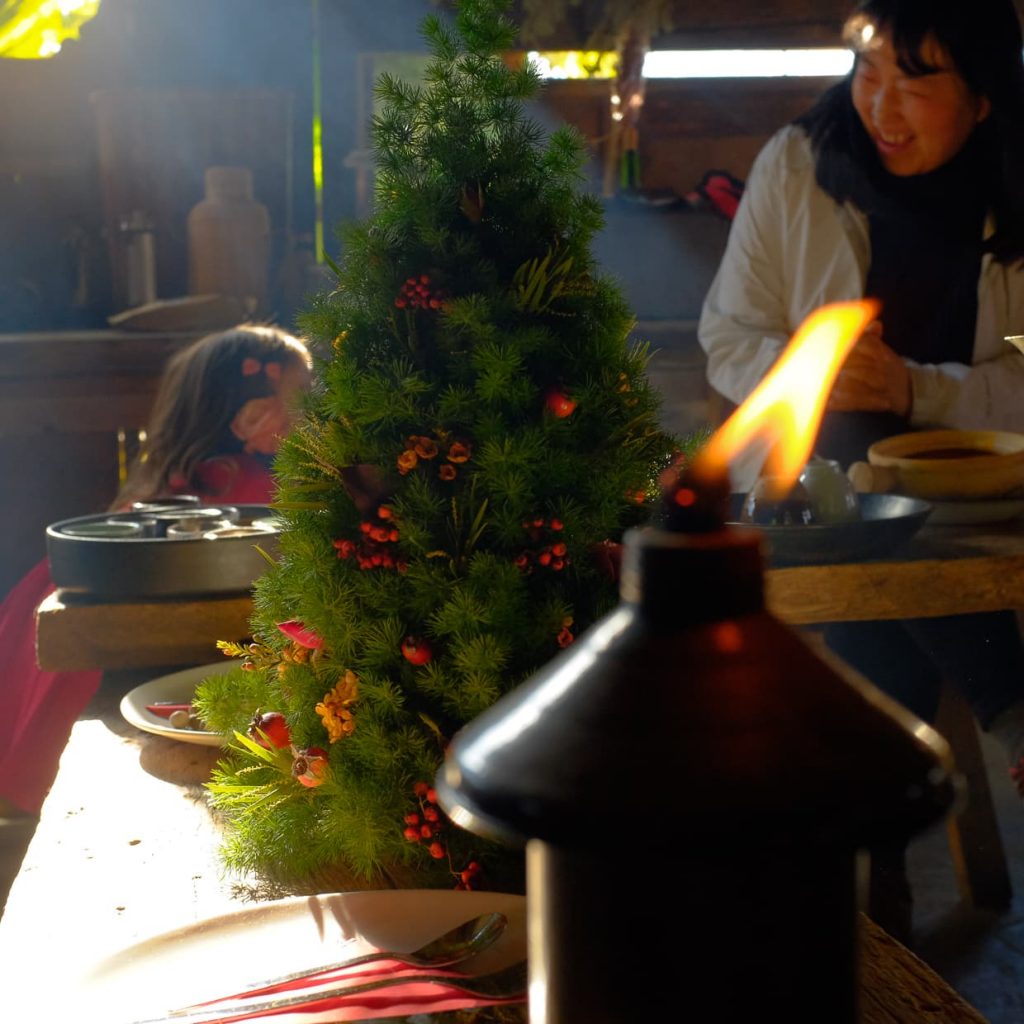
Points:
[787,406]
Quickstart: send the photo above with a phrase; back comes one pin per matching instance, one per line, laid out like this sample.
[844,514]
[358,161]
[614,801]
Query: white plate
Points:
[967,513]
[178,687]
[222,955]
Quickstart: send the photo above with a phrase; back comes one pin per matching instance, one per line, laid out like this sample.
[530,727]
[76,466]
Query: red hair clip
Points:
[251,366]
[273,371]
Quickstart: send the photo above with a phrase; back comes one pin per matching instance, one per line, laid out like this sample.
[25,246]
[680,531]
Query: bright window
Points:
[819,63]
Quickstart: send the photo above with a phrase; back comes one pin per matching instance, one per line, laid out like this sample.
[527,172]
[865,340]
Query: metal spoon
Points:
[455,946]
[505,985]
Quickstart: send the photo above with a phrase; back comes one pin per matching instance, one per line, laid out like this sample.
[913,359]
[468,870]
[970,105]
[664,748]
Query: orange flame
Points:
[787,406]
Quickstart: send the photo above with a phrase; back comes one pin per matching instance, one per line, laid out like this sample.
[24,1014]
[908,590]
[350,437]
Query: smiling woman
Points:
[38,28]
[901,185]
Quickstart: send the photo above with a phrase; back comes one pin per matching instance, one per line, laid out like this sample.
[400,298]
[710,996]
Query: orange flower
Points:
[334,709]
[446,472]
[459,452]
[425,447]
[406,461]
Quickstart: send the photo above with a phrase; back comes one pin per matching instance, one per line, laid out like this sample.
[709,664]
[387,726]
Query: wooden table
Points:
[943,571]
[122,854]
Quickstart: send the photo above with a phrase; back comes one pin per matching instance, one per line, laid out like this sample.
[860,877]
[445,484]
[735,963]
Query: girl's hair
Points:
[201,390]
[983,39]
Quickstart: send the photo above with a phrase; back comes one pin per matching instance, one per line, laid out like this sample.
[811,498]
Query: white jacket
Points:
[792,248]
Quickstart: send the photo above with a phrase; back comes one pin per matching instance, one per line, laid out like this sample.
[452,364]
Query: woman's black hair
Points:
[983,39]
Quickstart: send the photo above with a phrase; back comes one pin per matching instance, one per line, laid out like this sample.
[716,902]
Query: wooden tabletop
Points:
[126,850]
[943,571]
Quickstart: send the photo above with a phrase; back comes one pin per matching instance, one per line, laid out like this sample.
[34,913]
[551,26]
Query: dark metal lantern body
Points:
[694,784]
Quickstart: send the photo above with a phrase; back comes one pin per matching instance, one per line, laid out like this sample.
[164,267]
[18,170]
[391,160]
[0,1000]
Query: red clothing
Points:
[241,479]
[38,708]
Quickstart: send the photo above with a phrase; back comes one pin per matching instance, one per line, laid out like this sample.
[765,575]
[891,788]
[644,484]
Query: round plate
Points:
[887,521]
[969,513]
[178,687]
[223,955]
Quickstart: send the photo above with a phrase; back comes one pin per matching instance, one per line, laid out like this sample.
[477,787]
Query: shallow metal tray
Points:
[155,566]
[887,522]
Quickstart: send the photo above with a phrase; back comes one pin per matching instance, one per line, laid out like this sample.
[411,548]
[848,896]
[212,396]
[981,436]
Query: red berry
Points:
[416,651]
[544,558]
[421,789]
[436,850]
[432,796]
[412,834]
[426,831]
[560,404]
[412,819]
[274,727]
[557,524]
[430,813]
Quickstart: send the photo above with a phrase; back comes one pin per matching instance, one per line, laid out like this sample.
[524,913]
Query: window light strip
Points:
[822,63]
[818,63]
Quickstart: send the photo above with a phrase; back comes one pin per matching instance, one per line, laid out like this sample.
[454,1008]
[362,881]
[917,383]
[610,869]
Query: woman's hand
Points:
[873,378]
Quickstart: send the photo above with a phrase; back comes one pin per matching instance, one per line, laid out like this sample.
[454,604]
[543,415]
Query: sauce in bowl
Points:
[949,453]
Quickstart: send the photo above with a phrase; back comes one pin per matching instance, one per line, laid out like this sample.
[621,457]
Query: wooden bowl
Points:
[944,464]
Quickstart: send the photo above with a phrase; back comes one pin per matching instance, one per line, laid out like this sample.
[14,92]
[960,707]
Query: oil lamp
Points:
[692,782]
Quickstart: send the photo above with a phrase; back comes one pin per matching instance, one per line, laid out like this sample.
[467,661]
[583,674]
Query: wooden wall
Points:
[63,399]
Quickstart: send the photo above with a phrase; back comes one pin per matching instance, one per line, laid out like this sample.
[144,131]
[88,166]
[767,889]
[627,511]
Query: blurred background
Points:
[112,113]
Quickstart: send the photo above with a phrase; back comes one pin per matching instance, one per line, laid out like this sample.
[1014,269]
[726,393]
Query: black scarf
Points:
[926,248]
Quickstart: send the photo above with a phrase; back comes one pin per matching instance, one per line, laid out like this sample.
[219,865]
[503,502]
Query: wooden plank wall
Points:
[63,398]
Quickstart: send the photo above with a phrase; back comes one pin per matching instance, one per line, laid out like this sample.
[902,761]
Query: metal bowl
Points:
[887,521]
[155,566]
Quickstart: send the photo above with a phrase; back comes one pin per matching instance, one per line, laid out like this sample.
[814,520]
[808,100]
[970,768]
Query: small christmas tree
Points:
[479,431]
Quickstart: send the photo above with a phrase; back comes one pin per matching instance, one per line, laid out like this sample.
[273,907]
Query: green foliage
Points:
[480,424]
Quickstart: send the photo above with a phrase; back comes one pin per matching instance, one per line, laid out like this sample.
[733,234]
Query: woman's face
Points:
[917,123]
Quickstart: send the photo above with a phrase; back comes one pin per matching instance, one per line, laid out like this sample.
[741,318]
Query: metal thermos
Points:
[139,247]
